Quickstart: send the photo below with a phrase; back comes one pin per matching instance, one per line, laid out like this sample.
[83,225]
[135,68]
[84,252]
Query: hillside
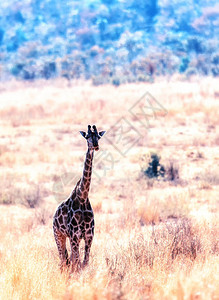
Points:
[108,41]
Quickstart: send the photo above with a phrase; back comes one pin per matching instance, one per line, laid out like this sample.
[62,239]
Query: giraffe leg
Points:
[75,256]
[88,242]
[61,245]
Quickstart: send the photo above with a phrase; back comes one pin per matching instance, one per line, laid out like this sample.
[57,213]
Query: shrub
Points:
[32,197]
[8,192]
[144,78]
[184,65]
[155,169]
[210,176]
[2,33]
[98,80]
[49,70]
[42,216]
[215,65]
[191,72]
[172,171]
[185,240]
[195,44]
[116,81]
[17,68]
[12,193]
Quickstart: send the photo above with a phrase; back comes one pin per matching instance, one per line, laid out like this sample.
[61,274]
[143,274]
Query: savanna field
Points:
[155,238]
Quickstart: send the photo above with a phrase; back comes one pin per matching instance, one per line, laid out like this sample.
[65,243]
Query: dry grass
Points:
[154,239]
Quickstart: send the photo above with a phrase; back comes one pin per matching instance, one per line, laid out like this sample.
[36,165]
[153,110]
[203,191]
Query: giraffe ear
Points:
[101,133]
[83,133]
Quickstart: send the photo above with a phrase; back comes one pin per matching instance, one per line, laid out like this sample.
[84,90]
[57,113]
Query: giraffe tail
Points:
[67,258]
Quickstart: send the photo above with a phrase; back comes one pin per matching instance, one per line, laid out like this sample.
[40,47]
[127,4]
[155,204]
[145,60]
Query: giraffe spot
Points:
[88,206]
[56,223]
[83,207]
[70,214]
[83,231]
[60,219]
[62,230]
[89,241]
[75,205]
[76,230]
[70,228]
[89,231]
[78,216]
[78,193]
[65,210]
[74,222]
[73,195]
[88,216]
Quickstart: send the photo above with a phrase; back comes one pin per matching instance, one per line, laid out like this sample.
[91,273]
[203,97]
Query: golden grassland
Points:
[154,239]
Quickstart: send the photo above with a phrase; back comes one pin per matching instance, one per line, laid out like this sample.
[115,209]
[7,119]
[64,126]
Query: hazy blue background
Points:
[108,41]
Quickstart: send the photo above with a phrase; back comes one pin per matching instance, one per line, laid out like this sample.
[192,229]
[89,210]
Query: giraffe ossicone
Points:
[74,218]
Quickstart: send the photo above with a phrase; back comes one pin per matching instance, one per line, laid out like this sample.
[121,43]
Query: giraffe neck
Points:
[84,186]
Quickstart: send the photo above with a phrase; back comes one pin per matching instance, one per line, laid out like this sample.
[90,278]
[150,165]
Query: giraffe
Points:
[74,218]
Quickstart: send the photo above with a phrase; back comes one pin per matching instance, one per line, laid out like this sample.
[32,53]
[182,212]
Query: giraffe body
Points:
[74,218]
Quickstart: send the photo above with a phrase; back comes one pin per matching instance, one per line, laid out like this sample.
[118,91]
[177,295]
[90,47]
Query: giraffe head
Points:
[92,137]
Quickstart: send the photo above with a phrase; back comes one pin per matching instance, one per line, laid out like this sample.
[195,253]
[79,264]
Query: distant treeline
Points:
[108,41]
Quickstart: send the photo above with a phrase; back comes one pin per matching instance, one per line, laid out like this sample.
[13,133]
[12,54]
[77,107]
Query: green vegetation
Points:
[108,41]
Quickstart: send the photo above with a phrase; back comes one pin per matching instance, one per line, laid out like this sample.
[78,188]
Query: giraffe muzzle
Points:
[96,148]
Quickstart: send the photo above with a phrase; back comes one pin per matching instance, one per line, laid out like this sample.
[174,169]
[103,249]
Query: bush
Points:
[184,65]
[172,171]
[12,193]
[144,78]
[215,65]
[49,70]
[155,169]
[116,81]
[185,240]
[191,72]
[32,197]
[1,35]
[195,44]
[98,80]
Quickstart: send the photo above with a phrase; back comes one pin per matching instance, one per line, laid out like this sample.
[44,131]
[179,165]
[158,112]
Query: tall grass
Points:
[154,239]
[168,260]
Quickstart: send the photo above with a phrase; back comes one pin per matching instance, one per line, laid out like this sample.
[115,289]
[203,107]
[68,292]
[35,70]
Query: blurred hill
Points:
[108,41]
